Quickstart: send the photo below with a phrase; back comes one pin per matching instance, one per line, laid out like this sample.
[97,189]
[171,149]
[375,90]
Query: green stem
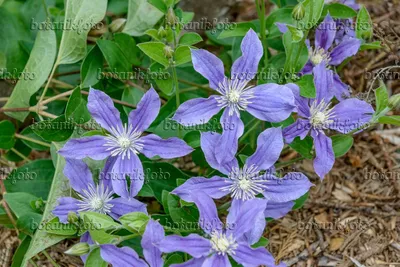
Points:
[177,94]
[45,8]
[288,163]
[33,263]
[50,258]
[126,237]
[255,125]
[46,87]
[261,15]
[20,154]
[32,140]
[289,55]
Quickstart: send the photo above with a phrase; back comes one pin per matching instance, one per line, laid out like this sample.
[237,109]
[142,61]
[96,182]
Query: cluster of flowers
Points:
[256,192]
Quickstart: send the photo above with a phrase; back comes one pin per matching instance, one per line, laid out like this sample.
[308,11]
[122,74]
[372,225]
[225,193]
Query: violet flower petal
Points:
[121,257]
[78,174]
[122,206]
[325,33]
[345,49]
[193,244]
[210,186]
[80,148]
[146,111]
[173,147]
[271,102]
[65,205]
[102,109]
[153,235]
[208,65]
[325,157]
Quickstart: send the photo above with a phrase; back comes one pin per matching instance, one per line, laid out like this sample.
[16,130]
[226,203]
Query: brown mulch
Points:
[352,217]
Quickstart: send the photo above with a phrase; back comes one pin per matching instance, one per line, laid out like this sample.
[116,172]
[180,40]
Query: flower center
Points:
[223,244]
[124,141]
[96,199]
[246,183]
[234,95]
[321,114]
[319,55]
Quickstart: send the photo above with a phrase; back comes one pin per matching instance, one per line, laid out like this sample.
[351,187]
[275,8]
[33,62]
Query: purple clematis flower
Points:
[317,115]
[267,102]
[221,242]
[92,197]
[322,54]
[350,3]
[246,183]
[127,257]
[123,143]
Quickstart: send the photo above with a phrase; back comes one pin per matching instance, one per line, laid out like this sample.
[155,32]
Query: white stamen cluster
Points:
[318,55]
[223,244]
[96,199]
[246,184]
[124,141]
[321,115]
[234,95]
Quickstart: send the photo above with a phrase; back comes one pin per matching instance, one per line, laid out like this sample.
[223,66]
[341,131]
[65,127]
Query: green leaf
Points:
[135,221]
[99,221]
[7,139]
[29,222]
[155,50]
[192,139]
[341,144]
[38,69]
[363,24]
[92,67]
[179,214]
[83,14]
[339,11]
[292,49]
[114,56]
[298,203]
[128,47]
[141,17]
[132,96]
[34,178]
[76,109]
[57,130]
[153,33]
[20,252]
[190,38]
[307,87]
[314,10]
[236,29]
[56,228]
[28,132]
[304,147]
[95,260]
[263,242]
[163,78]
[182,55]
[161,176]
[371,46]
[59,188]
[173,259]
[381,98]
[102,236]
[21,148]
[20,203]
[394,120]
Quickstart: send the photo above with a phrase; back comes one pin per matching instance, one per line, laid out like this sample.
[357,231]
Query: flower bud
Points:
[171,18]
[117,25]
[78,249]
[298,12]
[162,32]
[394,101]
[168,51]
[72,217]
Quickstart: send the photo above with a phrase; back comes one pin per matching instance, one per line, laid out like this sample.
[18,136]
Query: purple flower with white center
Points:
[322,54]
[220,242]
[127,257]
[267,102]
[123,143]
[246,183]
[92,197]
[316,115]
